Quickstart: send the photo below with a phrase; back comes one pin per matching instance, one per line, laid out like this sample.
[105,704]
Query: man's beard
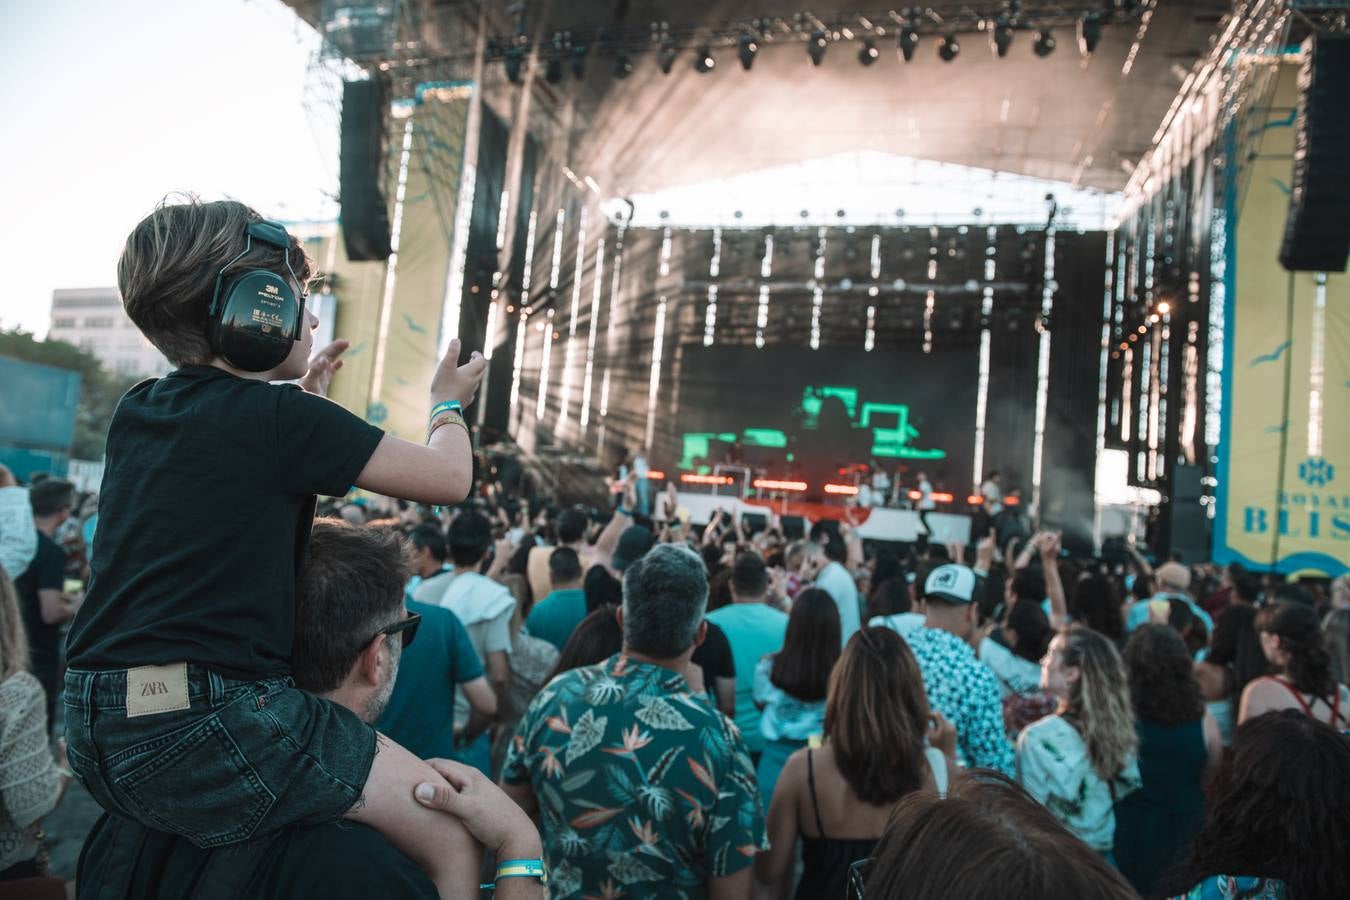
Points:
[380,699]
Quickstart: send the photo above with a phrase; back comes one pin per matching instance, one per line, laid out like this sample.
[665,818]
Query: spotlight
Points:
[747,49]
[1089,33]
[1045,43]
[949,48]
[515,58]
[907,41]
[703,60]
[579,50]
[867,54]
[815,48]
[1164,307]
[553,69]
[623,66]
[1002,36]
[665,57]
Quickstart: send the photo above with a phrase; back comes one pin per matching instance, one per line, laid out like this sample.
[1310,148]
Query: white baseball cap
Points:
[952,583]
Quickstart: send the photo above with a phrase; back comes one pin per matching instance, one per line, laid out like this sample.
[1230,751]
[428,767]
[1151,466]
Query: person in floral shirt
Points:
[640,787]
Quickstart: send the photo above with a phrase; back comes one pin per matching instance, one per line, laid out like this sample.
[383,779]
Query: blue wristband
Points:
[446,406]
[519,868]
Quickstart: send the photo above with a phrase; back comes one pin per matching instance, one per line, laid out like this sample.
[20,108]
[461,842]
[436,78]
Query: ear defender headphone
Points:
[255,315]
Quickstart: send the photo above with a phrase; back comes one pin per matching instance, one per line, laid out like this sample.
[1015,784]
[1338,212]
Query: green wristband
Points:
[519,868]
[445,406]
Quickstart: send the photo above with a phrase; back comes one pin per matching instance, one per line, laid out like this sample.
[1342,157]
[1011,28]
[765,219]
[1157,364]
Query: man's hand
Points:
[455,382]
[323,366]
[491,817]
[942,734]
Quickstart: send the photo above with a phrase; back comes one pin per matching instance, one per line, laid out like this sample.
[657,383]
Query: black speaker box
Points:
[365,215]
[1317,232]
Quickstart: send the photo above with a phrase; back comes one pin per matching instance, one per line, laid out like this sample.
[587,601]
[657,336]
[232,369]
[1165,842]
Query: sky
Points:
[109,105]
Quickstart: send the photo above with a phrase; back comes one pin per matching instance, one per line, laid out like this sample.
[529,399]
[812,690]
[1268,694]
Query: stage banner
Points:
[431,140]
[1283,493]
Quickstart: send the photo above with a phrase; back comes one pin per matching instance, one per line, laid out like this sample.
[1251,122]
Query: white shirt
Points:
[1054,766]
[903,624]
[926,495]
[640,466]
[992,497]
[835,580]
[1015,675]
[484,607]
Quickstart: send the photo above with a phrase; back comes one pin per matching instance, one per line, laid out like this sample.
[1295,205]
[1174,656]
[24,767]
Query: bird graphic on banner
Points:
[1272,356]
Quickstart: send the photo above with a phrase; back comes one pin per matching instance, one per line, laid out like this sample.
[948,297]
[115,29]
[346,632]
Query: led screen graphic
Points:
[810,413]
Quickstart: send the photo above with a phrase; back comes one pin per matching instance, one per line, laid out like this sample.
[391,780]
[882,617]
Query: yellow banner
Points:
[1284,455]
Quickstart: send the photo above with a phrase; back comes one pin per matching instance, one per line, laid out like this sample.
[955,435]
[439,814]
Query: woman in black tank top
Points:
[836,798]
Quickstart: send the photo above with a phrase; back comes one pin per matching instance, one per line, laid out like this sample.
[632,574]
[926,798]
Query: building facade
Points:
[93,318]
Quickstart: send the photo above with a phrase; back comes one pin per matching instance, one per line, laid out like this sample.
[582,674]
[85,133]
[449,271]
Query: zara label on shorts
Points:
[156,689]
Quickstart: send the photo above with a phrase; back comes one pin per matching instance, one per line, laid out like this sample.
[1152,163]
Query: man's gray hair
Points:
[665,594]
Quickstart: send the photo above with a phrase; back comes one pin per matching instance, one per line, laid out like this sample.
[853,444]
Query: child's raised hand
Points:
[323,366]
[455,382]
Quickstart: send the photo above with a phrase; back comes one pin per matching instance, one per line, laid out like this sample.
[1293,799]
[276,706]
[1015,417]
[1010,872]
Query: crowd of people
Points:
[461,691]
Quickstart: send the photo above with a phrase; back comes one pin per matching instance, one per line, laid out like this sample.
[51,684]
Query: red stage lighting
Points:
[656,475]
[769,484]
[846,489]
[691,478]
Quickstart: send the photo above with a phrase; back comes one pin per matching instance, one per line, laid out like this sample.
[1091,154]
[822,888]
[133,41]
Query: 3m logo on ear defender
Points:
[271,289]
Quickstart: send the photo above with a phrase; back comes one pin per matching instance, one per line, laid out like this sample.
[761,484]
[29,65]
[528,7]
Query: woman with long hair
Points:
[1081,760]
[1291,638]
[1336,632]
[1235,659]
[881,743]
[595,640]
[1278,824]
[1179,746]
[987,840]
[790,685]
[1096,604]
[33,783]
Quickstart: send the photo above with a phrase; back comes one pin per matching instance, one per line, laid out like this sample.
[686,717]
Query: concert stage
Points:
[872,524]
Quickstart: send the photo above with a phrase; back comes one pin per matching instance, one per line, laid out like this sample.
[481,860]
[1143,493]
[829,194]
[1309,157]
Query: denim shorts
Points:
[244,759]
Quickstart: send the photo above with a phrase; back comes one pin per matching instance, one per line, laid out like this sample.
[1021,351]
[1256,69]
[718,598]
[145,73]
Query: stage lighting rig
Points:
[623,66]
[949,48]
[907,41]
[746,49]
[665,56]
[513,61]
[703,60]
[578,59]
[1002,36]
[1044,44]
[1089,33]
[553,67]
[815,47]
[867,53]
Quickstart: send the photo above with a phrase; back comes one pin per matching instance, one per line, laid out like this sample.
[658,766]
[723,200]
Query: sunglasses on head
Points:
[406,628]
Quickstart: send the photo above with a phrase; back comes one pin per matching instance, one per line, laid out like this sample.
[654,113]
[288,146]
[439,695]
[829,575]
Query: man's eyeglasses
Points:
[856,873]
[407,628]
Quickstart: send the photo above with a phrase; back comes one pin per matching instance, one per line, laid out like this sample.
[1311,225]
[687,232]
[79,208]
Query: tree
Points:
[100,390]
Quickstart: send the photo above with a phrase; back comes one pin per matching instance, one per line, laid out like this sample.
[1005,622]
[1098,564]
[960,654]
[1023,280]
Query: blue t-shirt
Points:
[421,711]
[554,618]
[753,630]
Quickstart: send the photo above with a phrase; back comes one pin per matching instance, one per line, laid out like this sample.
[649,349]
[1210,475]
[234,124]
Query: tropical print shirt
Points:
[1242,887]
[965,691]
[644,789]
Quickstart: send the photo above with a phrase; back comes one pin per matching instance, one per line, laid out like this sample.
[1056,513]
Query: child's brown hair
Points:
[168,268]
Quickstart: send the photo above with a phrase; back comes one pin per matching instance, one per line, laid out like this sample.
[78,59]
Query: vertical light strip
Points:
[1104,356]
[590,334]
[556,272]
[518,363]
[1127,393]
[604,393]
[658,337]
[391,265]
[1316,368]
[665,251]
[870,336]
[1215,337]
[986,337]
[929,303]
[765,271]
[490,332]
[543,367]
[818,291]
[714,268]
[1145,400]
[565,399]
[529,257]
[503,210]
[1159,339]
[1043,369]
[459,257]
[876,257]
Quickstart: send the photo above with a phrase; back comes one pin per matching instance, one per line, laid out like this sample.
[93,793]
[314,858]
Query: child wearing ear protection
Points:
[179,706]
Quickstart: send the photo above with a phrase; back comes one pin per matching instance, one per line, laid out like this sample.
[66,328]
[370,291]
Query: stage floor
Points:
[875,523]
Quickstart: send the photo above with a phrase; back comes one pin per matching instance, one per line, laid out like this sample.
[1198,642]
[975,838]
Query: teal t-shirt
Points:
[753,630]
[421,710]
[554,618]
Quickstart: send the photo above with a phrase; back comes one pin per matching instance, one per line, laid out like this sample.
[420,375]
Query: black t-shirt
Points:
[47,571]
[206,507]
[122,859]
[714,657]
